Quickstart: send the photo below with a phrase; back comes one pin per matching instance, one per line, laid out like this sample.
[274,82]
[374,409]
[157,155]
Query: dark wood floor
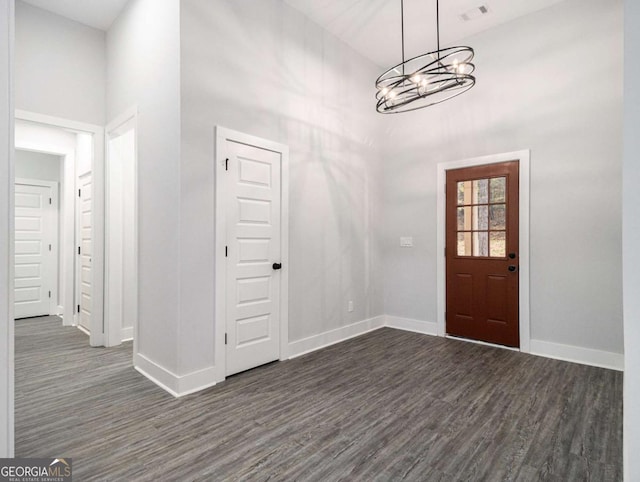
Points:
[389,405]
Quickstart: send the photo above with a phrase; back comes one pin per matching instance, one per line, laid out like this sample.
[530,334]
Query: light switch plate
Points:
[406,242]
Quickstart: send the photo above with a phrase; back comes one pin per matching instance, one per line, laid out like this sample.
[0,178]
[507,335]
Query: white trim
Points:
[337,335]
[130,114]
[157,374]
[524,159]
[7,17]
[114,333]
[126,334]
[97,168]
[223,134]
[83,329]
[179,386]
[176,385]
[577,354]
[57,121]
[53,221]
[408,324]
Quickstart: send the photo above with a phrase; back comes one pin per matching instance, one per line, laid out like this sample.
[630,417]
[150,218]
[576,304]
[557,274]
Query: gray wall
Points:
[264,69]
[631,240]
[36,165]
[550,82]
[60,66]
[143,58]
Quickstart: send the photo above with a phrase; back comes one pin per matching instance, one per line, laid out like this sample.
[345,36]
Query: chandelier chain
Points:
[402,30]
[437,24]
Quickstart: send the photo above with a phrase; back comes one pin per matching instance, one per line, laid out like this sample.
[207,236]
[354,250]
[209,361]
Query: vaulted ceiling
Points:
[371,27]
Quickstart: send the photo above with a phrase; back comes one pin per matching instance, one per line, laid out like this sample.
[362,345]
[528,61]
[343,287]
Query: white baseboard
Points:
[181,385]
[328,338]
[83,330]
[176,385]
[127,334]
[576,354]
[407,324]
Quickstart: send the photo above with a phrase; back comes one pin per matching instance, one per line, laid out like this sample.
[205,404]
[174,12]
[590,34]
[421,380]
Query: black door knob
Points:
[277,266]
[512,255]
[512,268]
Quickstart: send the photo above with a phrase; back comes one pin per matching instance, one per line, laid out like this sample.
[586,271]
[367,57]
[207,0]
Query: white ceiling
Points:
[372,27]
[98,14]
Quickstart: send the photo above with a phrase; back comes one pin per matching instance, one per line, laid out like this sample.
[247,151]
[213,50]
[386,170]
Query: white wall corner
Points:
[577,354]
[407,324]
[176,385]
[331,337]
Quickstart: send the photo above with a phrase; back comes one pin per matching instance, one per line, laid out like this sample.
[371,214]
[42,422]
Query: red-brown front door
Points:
[482,253]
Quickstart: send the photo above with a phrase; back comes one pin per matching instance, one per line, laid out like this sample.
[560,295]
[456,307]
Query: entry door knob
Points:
[277,265]
[512,268]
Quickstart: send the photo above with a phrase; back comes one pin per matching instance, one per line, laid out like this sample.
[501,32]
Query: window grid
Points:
[481,218]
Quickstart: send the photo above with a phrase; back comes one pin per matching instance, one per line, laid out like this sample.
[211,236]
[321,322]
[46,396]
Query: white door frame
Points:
[97,167]
[523,271]
[222,135]
[7,18]
[52,274]
[113,330]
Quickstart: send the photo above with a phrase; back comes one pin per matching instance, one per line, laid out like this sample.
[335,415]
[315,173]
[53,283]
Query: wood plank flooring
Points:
[386,406]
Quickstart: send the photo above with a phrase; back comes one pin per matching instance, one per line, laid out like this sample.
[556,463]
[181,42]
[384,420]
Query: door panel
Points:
[482,253]
[86,248]
[33,257]
[253,236]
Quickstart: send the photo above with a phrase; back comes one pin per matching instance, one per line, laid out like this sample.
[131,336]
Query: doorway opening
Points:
[482,253]
[121,275]
[492,305]
[251,290]
[58,227]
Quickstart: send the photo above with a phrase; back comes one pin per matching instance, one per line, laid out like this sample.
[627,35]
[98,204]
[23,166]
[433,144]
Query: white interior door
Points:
[85,249]
[34,240]
[253,213]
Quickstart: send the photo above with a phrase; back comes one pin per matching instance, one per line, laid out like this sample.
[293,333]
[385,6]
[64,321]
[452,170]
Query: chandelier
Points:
[427,79]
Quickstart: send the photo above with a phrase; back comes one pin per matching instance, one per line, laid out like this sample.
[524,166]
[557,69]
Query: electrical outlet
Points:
[406,242]
[350,306]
